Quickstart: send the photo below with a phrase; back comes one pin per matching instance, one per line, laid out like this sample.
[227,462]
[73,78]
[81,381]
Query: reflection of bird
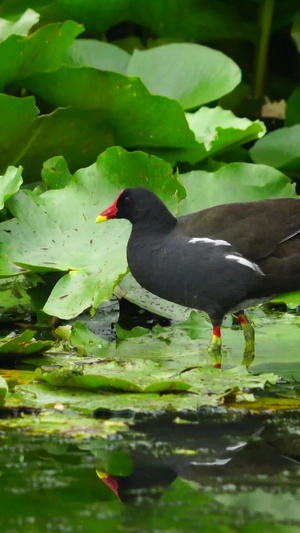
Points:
[148,473]
[218,260]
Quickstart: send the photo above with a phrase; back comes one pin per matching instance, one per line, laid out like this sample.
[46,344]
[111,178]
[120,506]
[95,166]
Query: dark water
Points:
[216,472]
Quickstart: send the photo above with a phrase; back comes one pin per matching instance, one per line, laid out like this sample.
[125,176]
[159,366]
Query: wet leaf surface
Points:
[21,346]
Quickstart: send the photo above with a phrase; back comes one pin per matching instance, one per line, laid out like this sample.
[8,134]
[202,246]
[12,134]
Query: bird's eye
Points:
[126,200]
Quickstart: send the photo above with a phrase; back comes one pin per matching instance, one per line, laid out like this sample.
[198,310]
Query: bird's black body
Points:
[193,274]
[216,260]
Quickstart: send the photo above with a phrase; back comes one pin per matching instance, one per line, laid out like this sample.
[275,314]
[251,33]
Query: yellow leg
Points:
[249,334]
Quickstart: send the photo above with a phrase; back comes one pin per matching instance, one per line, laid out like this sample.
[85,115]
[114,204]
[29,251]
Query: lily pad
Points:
[218,130]
[21,26]
[190,73]
[128,115]
[130,289]
[113,377]
[97,54]
[86,342]
[23,345]
[279,149]
[14,298]
[10,183]
[19,57]
[236,182]
[93,255]
[16,115]
[86,402]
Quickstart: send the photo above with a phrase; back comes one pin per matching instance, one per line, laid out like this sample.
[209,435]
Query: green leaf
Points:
[196,21]
[55,173]
[41,51]
[67,378]
[236,182]
[291,299]
[88,135]
[3,390]
[97,54]
[218,130]
[188,72]
[293,109]
[94,255]
[14,299]
[295,31]
[22,26]
[10,183]
[16,115]
[279,149]
[21,346]
[121,108]
[130,289]
[113,376]
[138,331]
[86,342]
[121,111]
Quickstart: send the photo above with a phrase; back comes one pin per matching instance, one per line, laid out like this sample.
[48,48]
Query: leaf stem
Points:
[264,26]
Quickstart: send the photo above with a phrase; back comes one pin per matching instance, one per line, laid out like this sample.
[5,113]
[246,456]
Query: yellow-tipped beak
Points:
[101,218]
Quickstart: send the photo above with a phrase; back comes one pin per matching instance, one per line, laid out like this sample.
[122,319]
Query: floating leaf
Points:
[23,345]
[86,342]
[114,376]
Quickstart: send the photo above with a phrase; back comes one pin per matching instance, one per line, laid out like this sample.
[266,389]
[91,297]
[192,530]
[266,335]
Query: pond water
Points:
[216,471]
[77,461]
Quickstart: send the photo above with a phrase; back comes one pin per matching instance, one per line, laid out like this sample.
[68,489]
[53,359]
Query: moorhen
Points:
[218,260]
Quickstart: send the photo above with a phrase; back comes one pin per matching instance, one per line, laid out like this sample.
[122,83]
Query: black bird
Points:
[219,260]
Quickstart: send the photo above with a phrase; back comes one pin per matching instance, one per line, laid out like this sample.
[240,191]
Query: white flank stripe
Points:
[206,240]
[243,261]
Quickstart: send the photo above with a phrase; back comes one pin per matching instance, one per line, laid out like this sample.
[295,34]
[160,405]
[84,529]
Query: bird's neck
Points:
[154,220]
